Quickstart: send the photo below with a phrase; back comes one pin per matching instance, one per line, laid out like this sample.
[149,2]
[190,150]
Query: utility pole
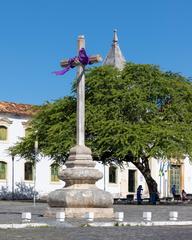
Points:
[34,170]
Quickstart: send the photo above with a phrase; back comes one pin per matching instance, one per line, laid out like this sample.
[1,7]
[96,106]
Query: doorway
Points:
[131,180]
[175,177]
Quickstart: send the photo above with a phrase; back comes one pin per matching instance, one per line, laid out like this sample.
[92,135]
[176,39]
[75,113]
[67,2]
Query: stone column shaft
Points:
[80,125]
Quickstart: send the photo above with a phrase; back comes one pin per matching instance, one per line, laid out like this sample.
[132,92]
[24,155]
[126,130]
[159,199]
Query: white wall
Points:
[188,176]
[16,130]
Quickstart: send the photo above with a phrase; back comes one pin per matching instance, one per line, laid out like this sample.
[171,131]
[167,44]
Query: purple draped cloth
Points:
[82,58]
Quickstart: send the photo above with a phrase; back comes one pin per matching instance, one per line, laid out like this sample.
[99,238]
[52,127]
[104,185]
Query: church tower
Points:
[115,56]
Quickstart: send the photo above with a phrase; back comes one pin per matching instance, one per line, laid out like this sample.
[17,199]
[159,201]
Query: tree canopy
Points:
[132,115]
[141,111]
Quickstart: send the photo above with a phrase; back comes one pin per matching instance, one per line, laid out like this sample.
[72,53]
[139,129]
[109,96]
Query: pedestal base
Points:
[80,212]
[80,198]
[80,194]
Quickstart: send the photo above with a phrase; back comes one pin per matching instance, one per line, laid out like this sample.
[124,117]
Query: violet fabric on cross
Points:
[82,58]
[62,72]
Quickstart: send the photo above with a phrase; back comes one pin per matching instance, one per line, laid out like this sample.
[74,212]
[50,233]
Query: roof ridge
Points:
[17,103]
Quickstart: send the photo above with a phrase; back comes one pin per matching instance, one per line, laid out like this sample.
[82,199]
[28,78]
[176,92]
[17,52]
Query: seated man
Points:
[184,195]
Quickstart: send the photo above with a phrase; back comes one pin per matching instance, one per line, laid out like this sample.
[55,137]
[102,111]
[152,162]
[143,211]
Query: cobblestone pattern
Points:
[90,233]
[10,212]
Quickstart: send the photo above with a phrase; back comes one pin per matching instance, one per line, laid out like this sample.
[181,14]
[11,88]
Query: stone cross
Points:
[80,194]
[80,124]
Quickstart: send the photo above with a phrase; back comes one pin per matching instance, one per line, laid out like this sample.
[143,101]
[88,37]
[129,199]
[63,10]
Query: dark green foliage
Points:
[140,111]
[131,115]
[54,127]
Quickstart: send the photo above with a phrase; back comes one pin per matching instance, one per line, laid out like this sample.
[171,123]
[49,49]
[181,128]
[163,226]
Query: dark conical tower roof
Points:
[115,56]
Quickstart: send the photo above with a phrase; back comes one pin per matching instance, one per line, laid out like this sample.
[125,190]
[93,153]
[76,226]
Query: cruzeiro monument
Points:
[80,194]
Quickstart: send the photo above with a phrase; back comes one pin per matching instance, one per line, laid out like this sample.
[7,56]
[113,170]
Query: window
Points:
[3,170]
[3,133]
[28,171]
[175,177]
[112,174]
[131,180]
[54,172]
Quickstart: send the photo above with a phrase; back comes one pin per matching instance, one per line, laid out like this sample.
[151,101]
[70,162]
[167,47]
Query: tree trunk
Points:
[145,170]
[151,183]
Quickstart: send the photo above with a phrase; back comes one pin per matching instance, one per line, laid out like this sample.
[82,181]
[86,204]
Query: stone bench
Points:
[119,200]
[130,198]
[177,197]
[189,196]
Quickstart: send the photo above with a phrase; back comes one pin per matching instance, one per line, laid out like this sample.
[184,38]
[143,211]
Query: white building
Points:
[13,170]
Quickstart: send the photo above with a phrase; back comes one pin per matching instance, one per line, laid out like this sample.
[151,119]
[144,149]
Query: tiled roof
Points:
[16,108]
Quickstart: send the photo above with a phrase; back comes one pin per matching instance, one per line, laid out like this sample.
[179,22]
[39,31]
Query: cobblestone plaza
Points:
[10,212]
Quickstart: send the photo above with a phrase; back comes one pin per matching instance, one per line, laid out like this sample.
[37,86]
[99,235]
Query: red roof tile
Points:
[16,108]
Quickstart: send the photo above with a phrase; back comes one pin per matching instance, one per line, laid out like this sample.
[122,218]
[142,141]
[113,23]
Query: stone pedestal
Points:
[80,194]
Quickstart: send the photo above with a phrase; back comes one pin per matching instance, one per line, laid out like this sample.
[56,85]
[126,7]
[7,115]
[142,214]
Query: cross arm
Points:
[92,59]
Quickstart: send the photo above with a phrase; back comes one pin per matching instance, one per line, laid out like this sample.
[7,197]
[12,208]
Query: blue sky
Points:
[36,35]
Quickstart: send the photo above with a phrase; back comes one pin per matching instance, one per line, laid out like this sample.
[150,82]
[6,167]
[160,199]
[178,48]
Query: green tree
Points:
[135,115]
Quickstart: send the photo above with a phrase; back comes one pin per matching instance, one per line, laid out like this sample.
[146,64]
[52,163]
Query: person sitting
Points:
[184,195]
